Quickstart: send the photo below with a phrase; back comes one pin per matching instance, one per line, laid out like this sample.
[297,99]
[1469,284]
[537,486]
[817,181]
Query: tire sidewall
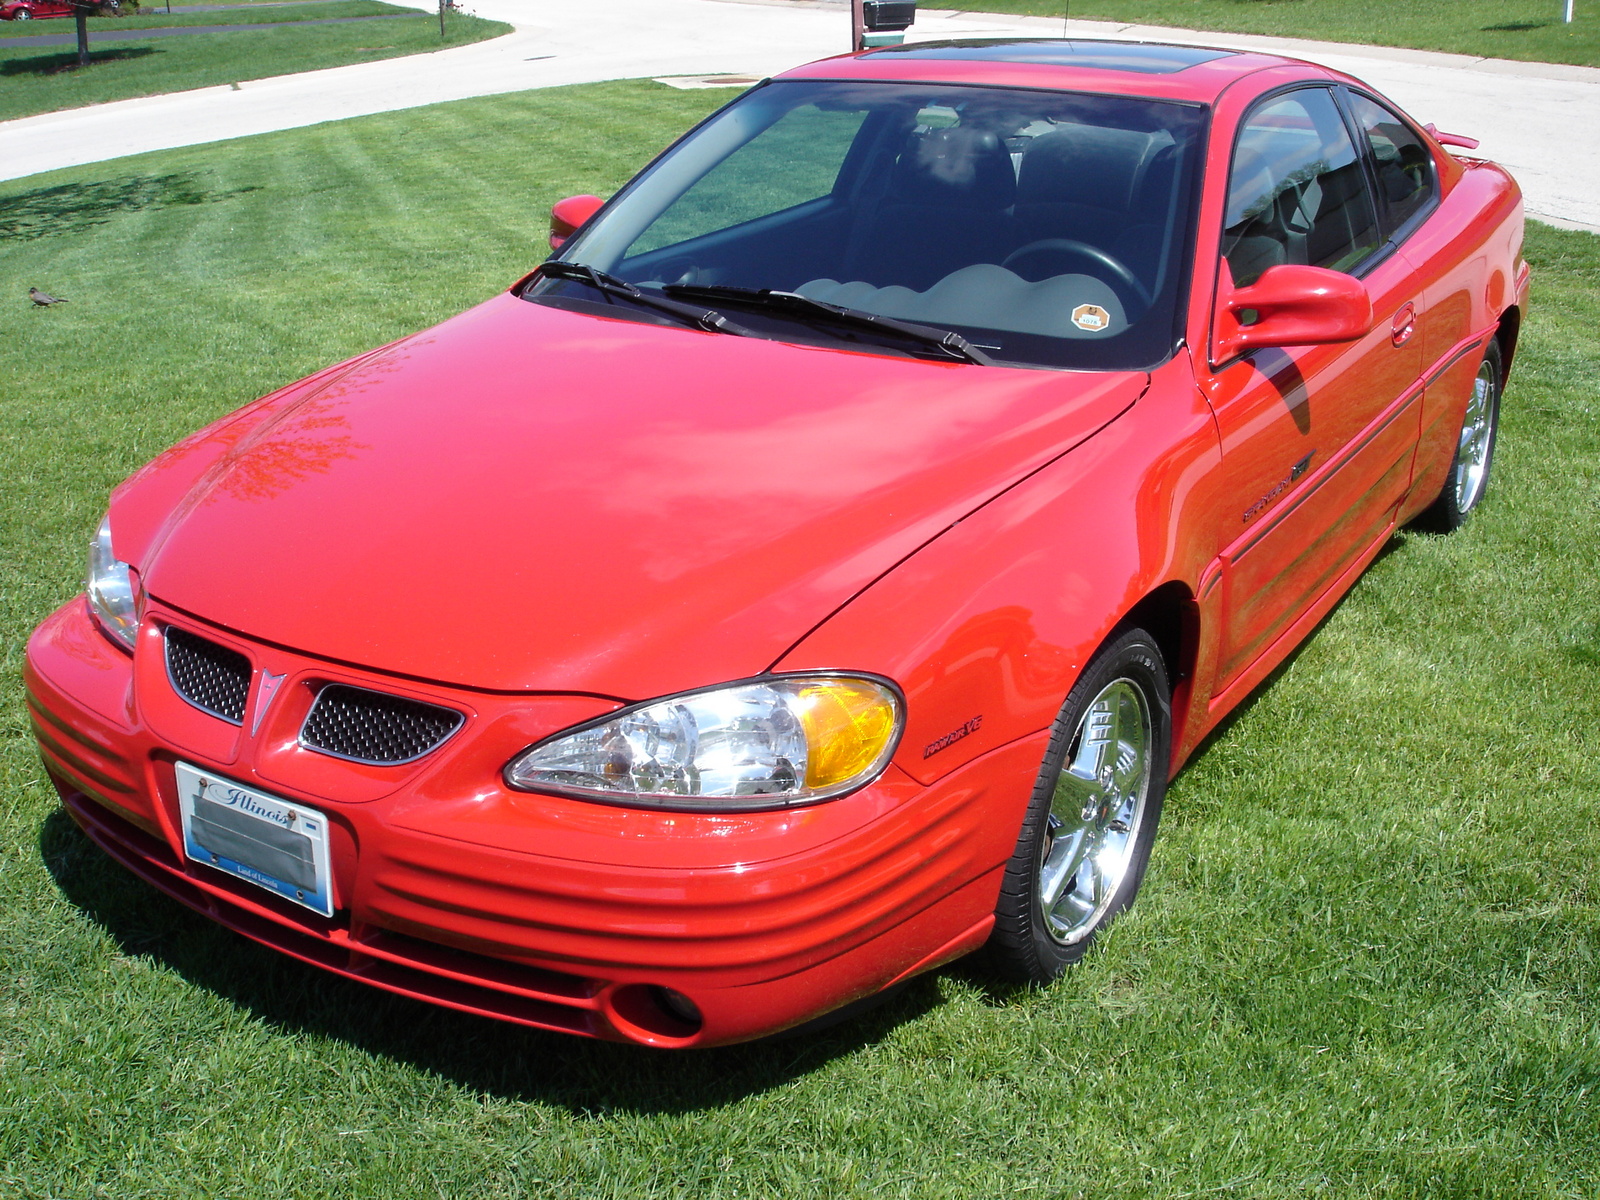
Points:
[1022,946]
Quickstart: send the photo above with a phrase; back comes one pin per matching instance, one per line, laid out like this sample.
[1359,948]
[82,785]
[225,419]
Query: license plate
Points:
[260,838]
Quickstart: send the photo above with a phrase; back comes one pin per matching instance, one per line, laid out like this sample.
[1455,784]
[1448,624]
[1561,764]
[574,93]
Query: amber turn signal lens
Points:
[847,723]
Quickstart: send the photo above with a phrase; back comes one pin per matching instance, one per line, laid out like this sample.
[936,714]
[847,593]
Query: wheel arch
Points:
[1170,615]
[1506,334]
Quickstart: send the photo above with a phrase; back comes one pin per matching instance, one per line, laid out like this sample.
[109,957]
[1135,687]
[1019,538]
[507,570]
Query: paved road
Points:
[1543,121]
[139,35]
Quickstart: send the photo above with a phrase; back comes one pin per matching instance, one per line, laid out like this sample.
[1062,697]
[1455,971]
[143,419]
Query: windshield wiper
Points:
[612,285]
[946,341]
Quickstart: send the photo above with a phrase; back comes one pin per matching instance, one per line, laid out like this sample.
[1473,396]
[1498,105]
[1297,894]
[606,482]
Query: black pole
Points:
[80,11]
[441,19]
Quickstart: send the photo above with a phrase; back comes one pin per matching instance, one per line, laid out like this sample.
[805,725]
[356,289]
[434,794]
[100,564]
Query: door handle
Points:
[1405,324]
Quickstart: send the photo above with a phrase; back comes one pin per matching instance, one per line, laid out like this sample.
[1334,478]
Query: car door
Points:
[1317,441]
[1450,276]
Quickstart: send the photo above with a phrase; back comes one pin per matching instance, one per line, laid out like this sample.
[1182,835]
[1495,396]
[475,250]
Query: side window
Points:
[796,160]
[1297,192]
[1403,164]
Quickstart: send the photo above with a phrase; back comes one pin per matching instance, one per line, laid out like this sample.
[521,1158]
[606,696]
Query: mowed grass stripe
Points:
[1364,963]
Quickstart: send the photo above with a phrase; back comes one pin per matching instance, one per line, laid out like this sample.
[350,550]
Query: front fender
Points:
[988,626]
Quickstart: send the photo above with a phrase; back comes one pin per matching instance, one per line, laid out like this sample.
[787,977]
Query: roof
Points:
[1156,69]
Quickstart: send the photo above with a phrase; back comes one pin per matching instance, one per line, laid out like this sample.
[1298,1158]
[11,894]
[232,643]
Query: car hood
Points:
[525,498]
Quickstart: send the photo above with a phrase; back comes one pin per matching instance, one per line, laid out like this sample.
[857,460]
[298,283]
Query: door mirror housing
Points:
[1288,306]
[567,215]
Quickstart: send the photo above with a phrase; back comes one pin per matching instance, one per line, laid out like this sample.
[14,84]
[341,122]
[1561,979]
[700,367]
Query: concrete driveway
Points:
[1541,120]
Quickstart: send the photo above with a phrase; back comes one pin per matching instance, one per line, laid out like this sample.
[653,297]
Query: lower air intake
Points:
[372,727]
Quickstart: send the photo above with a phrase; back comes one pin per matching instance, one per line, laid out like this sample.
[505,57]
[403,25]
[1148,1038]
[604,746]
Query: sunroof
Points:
[1146,58]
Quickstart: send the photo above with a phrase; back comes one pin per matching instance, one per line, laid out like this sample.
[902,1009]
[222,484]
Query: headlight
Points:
[113,590]
[765,743]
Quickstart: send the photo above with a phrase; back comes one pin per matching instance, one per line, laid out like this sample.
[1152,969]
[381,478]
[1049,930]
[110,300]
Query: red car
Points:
[38,10]
[813,573]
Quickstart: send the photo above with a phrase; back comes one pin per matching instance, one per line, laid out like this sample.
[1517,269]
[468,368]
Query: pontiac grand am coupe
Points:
[817,569]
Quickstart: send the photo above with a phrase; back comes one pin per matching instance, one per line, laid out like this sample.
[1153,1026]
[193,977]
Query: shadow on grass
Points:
[1516,27]
[57,64]
[73,207]
[585,1077]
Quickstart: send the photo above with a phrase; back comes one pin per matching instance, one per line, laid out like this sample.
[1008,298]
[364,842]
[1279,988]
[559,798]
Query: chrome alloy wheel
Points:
[1095,812]
[1477,435]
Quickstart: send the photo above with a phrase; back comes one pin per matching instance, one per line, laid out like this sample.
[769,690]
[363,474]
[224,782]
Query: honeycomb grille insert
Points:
[210,677]
[371,727]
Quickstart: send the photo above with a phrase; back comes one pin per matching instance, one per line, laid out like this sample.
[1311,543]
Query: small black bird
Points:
[44,299]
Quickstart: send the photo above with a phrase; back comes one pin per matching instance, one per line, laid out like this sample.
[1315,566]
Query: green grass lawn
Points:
[1366,961]
[35,80]
[1524,29]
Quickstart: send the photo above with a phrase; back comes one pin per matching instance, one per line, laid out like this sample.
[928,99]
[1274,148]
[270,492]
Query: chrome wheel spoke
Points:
[1073,908]
[1097,881]
[1061,865]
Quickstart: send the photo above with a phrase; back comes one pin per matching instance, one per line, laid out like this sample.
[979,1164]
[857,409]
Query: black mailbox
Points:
[888,16]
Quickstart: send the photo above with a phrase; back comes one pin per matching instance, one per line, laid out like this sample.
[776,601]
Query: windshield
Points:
[1045,228]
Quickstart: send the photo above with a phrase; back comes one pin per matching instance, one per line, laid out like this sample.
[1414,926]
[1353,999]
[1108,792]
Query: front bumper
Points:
[540,910]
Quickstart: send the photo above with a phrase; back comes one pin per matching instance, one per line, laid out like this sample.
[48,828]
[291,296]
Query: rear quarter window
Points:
[1401,162]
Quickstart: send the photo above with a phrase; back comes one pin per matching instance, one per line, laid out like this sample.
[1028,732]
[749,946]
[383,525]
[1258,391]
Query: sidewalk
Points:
[1525,114]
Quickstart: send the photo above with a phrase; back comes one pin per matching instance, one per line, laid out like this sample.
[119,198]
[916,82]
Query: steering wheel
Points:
[1121,279]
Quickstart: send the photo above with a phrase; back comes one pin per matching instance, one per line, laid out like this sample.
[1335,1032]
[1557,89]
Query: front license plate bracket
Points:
[255,836]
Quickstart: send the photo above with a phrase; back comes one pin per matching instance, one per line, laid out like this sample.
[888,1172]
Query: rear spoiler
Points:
[1450,139]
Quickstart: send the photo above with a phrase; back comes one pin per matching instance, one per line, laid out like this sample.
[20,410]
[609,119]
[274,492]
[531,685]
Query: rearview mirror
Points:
[567,215]
[1288,306]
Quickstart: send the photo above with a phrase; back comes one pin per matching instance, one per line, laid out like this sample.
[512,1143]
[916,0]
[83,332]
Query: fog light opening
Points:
[654,1014]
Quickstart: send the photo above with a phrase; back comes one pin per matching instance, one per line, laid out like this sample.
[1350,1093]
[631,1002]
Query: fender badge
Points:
[264,695]
[1091,317]
[951,738]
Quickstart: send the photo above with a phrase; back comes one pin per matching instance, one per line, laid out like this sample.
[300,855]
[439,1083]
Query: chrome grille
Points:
[372,727]
[210,677]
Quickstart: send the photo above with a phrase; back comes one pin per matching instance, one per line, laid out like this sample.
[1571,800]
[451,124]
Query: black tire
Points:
[1468,477]
[1046,918]
[22,14]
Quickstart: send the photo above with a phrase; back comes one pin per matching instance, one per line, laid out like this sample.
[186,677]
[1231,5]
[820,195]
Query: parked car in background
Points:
[39,10]
[816,570]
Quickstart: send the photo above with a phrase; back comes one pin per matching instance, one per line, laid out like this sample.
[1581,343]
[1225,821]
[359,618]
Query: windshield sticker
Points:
[1091,317]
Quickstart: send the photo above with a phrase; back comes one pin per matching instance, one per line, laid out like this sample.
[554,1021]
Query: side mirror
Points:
[1288,306]
[567,215]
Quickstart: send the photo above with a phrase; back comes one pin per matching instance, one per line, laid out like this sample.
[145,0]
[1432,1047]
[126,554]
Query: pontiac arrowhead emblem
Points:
[264,695]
